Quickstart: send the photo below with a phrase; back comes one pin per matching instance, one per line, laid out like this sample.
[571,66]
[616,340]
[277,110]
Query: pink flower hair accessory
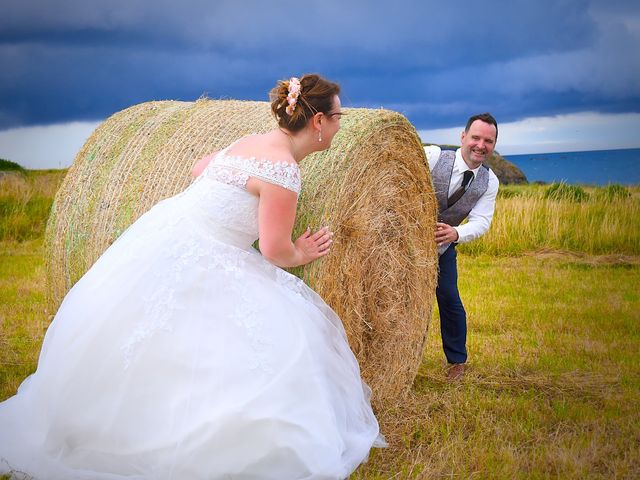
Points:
[294,88]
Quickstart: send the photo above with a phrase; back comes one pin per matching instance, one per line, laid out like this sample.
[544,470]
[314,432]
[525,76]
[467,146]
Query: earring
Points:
[320,135]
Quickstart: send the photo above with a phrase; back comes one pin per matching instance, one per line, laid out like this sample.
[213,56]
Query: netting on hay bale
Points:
[372,188]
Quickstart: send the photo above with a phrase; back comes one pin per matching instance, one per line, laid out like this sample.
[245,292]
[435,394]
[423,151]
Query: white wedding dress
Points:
[184,354]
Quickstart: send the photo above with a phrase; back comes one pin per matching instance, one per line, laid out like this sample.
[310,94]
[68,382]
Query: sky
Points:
[559,75]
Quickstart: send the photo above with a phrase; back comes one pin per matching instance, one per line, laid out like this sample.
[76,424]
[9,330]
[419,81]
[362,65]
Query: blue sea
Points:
[589,168]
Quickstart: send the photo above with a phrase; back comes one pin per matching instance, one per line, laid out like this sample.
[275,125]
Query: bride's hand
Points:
[312,246]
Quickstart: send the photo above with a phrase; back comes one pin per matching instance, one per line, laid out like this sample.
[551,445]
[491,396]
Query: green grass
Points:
[553,385]
[552,389]
[23,316]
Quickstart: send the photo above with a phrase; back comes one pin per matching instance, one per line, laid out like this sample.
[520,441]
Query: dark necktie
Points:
[466,178]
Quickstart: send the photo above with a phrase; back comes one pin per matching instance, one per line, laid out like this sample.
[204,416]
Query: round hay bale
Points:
[372,188]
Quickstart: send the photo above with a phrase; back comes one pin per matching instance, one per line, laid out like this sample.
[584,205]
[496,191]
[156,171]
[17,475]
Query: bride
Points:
[183,353]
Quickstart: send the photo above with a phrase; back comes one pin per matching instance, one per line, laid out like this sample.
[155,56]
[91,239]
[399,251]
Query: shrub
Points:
[563,191]
[9,166]
[614,191]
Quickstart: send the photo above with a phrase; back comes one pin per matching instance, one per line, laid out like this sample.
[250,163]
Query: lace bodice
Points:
[236,170]
[221,202]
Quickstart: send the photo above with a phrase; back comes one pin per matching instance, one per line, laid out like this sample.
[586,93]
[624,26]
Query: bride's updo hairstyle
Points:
[295,101]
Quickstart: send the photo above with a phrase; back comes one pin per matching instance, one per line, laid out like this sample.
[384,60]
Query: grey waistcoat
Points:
[441,176]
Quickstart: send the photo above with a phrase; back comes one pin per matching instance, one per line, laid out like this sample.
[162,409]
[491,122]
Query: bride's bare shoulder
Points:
[263,147]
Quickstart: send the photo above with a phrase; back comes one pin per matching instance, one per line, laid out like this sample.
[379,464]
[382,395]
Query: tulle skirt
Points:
[180,355]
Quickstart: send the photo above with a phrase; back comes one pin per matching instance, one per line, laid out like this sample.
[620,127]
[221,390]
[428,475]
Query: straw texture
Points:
[372,188]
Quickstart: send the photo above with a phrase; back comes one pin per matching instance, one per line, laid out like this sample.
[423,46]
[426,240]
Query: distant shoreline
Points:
[592,167]
[507,155]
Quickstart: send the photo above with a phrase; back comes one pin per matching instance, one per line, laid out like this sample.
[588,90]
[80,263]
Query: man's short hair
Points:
[485,117]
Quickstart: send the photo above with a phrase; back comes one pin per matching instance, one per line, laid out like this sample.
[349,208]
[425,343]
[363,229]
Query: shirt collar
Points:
[460,166]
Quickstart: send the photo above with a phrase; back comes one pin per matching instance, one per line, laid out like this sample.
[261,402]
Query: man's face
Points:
[478,143]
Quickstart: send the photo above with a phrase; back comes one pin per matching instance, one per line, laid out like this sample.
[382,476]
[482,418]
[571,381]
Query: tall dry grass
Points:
[592,220]
[25,202]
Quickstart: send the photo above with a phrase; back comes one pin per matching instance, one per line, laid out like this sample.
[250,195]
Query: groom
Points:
[464,188]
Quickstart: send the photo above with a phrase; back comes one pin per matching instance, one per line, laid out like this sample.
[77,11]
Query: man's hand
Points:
[445,234]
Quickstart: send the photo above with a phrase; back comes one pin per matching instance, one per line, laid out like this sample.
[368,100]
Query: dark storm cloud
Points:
[436,62]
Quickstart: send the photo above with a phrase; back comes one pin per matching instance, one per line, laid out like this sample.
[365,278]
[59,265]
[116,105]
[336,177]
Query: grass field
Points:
[553,386]
[554,383]
[25,201]
[592,220]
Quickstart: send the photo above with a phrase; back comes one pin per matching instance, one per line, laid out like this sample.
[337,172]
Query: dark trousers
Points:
[453,318]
